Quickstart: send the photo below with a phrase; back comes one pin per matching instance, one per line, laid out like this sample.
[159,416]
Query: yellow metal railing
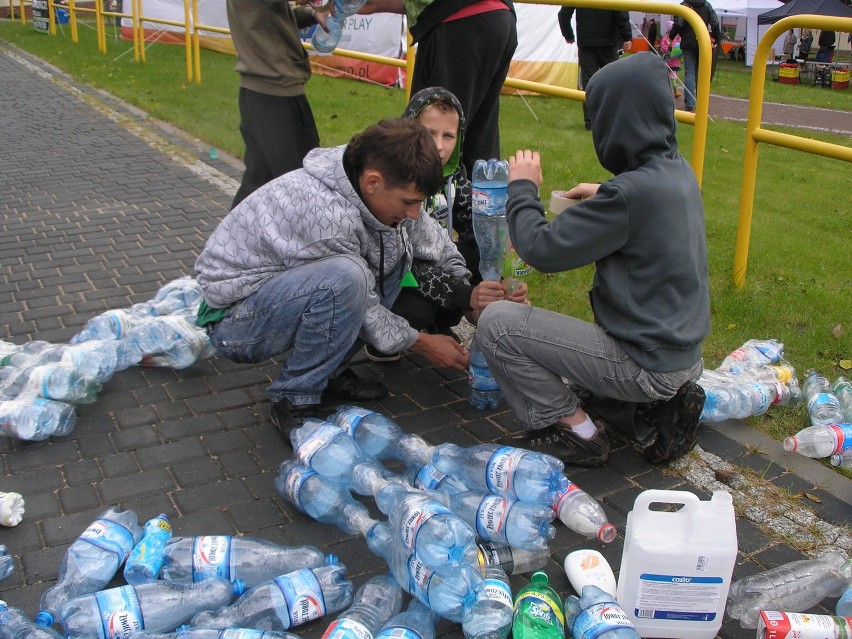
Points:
[20,8]
[755,134]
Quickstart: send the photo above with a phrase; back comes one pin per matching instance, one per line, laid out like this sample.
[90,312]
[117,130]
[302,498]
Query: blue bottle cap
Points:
[239,587]
[44,618]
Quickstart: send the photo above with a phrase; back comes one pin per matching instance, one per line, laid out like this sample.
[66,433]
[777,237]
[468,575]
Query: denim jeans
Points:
[315,310]
[690,72]
[530,350]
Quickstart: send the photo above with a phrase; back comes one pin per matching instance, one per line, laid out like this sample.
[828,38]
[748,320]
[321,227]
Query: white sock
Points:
[586,429]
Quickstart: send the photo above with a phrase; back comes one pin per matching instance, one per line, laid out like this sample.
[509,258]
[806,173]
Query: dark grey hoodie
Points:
[644,230]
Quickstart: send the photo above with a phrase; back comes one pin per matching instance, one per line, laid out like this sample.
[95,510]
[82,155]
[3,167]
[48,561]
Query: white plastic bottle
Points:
[589,567]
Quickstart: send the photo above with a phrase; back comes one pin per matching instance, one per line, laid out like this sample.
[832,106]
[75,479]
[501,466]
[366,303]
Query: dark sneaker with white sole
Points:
[675,421]
[561,442]
[354,388]
[287,417]
[375,355]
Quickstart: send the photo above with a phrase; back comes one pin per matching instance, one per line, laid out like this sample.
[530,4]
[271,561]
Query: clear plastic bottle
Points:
[483,391]
[842,390]
[37,419]
[376,600]
[379,436]
[823,407]
[286,601]
[738,399]
[321,500]
[492,613]
[326,42]
[841,461]
[250,559]
[327,449]
[50,381]
[450,591]
[112,324]
[820,441]
[538,611]
[95,362]
[490,182]
[14,624]
[427,528]
[427,477]
[581,513]
[514,561]
[188,343]
[417,622]
[148,556]
[158,607]
[92,560]
[149,337]
[843,607]
[504,470]
[793,587]
[753,354]
[596,614]
[187,632]
[496,518]
[7,564]
[11,509]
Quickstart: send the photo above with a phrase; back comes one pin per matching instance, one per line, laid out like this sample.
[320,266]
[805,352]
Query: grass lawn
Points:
[799,282]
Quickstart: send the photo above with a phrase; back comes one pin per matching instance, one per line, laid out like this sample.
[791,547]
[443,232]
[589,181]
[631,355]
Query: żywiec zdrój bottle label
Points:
[303,595]
[120,612]
[500,471]
[598,619]
[211,557]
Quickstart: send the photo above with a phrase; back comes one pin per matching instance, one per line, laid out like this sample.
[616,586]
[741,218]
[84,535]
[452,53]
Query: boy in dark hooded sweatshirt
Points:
[636,365]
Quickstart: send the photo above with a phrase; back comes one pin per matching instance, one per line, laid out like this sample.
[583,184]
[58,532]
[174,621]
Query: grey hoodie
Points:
[643,231]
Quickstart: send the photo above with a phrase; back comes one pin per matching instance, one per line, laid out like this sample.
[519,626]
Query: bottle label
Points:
[110,536]
[120,613]
[347,629]
[303,595]
[236,633]
[843,432]
[398,632]
[419,576]
[211,557]
[679,597]
[491,516]
[497,590]
[598,619]
[821,399]
[500,470]
[413,518]
[319,439]
[428,478]
[480,378]
[791,625]
[293,484]
[567,496]
[490,554]
[349,419]
[541,607]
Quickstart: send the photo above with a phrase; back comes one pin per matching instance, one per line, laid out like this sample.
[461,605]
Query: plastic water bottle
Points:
[37,419]
[189,343]
[841,461]
[538,611]
[450,591]
[186,632]
[286,601]
[327,449]
[321,500]
[794,587]
[492,613]
[753,354]
[14,624]
[483,391]
[375,602]
[513,561]
[154,335]
[327,42]
[738,399]
[92,560]
[417,622]
[379,436]
[370,476]
[504,470]
[823,407]
[427,528]
[842,390]
[427,477]
[843,608]
[248,559]
[581,513]
[148,556]
[157,606]
[51,381]
[112,324]
[496,518]
[820,441]
[596,614]
[490,180]
[7,564]
[11,509]
[94,360]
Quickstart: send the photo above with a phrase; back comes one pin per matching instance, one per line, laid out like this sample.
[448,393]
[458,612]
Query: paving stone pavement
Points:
[93,217]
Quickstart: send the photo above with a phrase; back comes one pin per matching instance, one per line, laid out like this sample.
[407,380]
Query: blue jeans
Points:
[690,71]
[315,310]
[530,350]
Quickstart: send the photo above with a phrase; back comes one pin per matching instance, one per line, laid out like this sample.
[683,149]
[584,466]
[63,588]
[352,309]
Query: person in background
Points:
[635,366]
[689,44]
[789,44]
[652,35]
[464,46]
[276,120]
[826,43]
[600,34]
[311,263]
[806,41]
[672,54]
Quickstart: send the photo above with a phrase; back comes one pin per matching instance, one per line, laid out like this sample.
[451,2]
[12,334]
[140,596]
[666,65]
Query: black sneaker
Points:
[375,355]
[287,417]
[349,386]
[676,424]
[563,443]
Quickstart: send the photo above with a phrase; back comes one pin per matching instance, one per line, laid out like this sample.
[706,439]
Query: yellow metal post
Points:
[72,21]
[196,41]
[187,39]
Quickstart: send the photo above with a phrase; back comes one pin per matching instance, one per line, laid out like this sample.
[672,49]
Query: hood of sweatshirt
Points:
[424,98]
[638,119]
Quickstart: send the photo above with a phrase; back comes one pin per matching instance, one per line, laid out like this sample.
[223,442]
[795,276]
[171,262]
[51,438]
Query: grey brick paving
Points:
[92,218]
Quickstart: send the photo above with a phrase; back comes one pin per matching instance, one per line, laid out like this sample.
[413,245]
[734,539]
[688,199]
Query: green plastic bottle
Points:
[538,611]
